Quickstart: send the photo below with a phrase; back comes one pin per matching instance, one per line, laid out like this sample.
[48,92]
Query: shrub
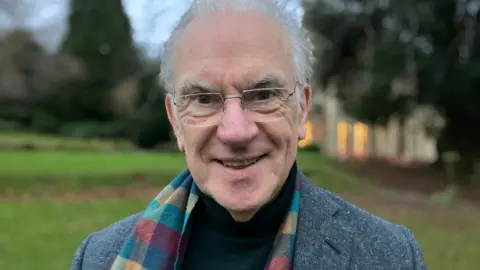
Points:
[152,129]
[93,129]
[43,122]
[312,147]
[11,126]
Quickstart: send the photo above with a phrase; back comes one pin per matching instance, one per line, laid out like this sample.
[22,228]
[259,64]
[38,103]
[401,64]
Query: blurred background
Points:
[84,138]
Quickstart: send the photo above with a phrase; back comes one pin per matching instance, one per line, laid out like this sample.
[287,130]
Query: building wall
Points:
[343,137]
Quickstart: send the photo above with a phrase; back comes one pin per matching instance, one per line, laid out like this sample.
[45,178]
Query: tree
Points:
[100,36]
[432,46]
[27,76]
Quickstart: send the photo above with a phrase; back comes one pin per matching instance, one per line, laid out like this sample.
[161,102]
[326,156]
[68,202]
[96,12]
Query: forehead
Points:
[228,49]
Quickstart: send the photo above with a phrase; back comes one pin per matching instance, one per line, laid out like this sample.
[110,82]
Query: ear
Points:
[302,117]
[172,118]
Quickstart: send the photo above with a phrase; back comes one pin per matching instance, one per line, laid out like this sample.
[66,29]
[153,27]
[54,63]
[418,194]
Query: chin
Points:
[246,197]
[240,203]
[242,190]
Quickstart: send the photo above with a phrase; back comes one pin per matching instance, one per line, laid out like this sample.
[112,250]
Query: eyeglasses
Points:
[259,105]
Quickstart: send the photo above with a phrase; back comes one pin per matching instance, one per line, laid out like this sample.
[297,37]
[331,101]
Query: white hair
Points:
[296,34]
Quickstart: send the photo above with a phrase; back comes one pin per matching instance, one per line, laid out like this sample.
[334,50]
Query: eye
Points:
[261,95]
[204,99]
[264,94]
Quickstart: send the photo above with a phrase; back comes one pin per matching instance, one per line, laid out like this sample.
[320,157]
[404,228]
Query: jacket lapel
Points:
[322,243]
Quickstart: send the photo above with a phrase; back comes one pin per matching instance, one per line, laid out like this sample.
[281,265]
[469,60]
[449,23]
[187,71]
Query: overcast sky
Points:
[151,20]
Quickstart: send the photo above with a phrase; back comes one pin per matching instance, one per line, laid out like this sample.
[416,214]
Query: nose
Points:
[234,128]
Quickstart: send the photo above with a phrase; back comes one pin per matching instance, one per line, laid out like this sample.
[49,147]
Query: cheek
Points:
[282,133]
[196,139]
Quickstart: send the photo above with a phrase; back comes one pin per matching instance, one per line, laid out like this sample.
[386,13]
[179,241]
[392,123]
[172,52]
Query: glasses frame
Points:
[224,98]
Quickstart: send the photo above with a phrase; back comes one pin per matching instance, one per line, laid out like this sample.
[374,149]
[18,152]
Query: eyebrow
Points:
[265,81]
[195,85]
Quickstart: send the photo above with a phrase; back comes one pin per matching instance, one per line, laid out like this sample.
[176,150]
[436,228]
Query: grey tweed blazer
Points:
[332,234]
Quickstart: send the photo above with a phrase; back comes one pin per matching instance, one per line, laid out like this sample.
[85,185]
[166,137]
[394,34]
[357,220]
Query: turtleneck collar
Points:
[265,222]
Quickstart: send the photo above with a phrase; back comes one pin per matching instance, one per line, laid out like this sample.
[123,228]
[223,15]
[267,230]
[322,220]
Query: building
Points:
[344,137]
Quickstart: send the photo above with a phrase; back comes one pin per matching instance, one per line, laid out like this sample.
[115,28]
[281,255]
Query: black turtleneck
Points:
[217,241]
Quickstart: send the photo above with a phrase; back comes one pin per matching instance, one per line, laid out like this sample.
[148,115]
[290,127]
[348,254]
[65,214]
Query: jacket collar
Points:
[322,243]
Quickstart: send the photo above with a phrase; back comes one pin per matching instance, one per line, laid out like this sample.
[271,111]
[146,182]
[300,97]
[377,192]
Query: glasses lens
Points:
[268,104]
[260,105]
[202,109]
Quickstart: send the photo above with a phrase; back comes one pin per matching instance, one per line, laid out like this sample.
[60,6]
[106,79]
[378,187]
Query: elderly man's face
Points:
[228,53]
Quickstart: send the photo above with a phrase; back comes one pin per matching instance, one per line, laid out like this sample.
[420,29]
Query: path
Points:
[419,180]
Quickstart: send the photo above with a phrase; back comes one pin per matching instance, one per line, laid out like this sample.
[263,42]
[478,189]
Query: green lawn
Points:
[449,237]
[43,234]
[34,163]
[39,170]
[45,142]
[34,170]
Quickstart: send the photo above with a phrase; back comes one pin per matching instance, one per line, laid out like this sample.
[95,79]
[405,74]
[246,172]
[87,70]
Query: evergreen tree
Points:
[100,36]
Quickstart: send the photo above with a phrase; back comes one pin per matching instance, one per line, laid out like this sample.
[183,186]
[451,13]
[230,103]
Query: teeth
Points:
[241,163]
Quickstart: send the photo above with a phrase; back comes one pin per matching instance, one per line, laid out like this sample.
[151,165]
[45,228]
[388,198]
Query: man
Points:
[236,72]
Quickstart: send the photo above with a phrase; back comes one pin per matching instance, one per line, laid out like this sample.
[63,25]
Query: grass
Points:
[448,236]
[37,163]
[44,233]
[48,142]
[32,170]
[445,247]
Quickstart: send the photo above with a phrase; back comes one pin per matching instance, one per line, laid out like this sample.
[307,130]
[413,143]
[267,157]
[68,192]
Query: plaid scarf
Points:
[157,240]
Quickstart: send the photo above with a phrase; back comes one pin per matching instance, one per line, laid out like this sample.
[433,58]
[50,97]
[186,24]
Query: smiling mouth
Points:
[240,164]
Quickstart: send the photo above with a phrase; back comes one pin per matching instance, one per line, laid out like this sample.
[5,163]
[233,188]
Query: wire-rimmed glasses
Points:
[259,105]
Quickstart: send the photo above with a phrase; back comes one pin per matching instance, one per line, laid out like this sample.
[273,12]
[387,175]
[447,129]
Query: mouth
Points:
[239,163]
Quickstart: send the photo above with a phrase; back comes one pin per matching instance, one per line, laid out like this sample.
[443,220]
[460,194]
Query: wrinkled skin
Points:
[226,51]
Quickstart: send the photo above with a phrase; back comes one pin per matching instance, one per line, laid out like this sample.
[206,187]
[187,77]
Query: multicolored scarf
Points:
[157,241]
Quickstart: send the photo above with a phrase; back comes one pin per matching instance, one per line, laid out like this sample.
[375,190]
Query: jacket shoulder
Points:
[99,249]
[368,241]
[366,225]
[345,214]
[377,242]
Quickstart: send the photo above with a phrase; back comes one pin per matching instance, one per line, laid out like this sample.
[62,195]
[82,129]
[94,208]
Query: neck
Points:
[250,223]
[242,216]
